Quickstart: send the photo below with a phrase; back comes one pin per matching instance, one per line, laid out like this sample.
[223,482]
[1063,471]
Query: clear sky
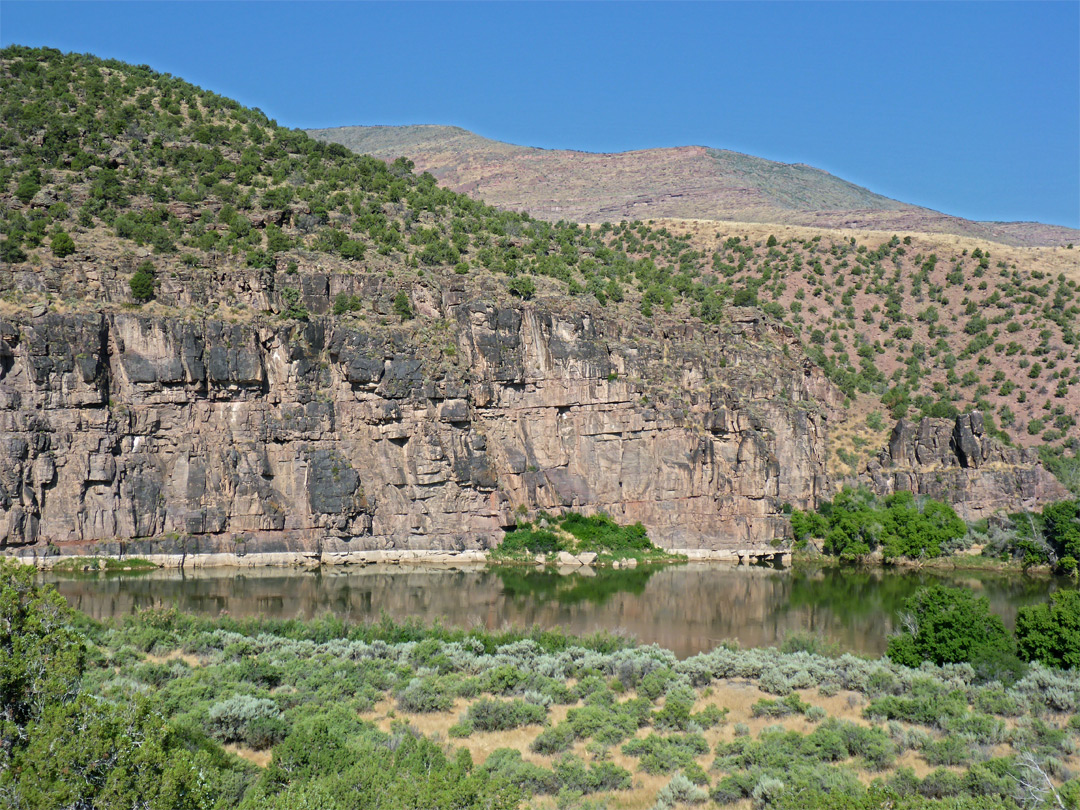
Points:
[971,108]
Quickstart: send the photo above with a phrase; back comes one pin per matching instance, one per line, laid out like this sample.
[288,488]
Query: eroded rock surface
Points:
[958,462]
[333,434]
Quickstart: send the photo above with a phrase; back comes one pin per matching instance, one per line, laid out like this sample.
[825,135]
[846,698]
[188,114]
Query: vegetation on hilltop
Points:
[928,328]
[689,182]
[96,147]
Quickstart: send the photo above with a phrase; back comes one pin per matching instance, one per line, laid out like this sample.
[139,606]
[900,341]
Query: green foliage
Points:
[256,722]
[123,756]
[1051,537]
[300,686]
[291,307]
[522,287]
[142,285]
[659,754]
[601,533]
[333,763]
[1064,466]
[533,541]
[952,626]
[572,774]
[792,704]
[855,523]
[62,244]
[425,695]
[501,715]
[343,303]
[41,657]
[124,753]
[1050,633]
[402,308]
[10,252]
[926,703]
[576,534]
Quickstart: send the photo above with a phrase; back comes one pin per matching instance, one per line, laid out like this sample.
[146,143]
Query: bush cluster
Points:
[576,534]
[856,523]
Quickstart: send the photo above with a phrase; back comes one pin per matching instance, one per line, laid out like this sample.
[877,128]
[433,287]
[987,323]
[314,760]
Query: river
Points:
[686,608]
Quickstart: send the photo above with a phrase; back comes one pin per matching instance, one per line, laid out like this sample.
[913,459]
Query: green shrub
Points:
[142,285]
[1050,633]
[499,715]
[949,750]
[402,308]
[554,740]
[952,626]
[792,704]
[343,303]
[572,774]
[665,754]
[256,722]
[424,696]
[855,523]
[522,287]
[291,306]
[507,765]
[62,244]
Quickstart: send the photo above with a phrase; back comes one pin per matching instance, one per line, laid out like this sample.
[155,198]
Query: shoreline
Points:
[434,557]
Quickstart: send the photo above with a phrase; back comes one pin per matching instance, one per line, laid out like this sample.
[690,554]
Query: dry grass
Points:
[260,758]
[737,696]
[175,655]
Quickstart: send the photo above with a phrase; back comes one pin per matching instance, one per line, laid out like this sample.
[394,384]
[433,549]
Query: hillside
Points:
[220,335]
[690,182]
[923,325]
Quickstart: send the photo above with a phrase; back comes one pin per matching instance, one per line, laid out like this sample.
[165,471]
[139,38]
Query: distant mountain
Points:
[687,182]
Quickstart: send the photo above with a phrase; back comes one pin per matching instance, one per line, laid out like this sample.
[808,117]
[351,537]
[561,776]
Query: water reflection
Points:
[687,608]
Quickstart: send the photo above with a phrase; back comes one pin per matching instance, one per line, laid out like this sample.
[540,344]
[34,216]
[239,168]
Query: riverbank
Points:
[970,560]
[48,558]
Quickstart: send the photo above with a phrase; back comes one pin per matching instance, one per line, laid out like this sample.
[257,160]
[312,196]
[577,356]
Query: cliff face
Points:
[957,462]
[340,434]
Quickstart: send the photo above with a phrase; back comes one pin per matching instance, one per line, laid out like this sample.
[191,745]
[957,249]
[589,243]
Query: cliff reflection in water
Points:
[685,608]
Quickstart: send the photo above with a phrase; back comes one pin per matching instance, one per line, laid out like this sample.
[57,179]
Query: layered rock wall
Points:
[133,431]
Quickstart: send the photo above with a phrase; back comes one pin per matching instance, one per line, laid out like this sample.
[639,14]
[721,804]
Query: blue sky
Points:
[971,108]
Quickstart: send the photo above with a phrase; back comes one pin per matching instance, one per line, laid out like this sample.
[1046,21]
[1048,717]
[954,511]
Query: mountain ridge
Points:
[683,182]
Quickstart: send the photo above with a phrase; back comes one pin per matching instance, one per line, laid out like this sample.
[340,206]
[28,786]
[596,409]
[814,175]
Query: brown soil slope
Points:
[692,182]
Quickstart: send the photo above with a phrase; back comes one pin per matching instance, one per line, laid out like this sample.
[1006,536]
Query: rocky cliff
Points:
[347,433]
[956,461]
[206,344]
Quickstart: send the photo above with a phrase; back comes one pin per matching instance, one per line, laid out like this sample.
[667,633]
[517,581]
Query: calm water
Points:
[685,608]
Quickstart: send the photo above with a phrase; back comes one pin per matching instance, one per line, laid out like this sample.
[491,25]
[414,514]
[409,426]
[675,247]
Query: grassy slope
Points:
[1028,296]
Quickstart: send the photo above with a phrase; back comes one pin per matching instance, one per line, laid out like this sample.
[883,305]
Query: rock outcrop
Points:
[127,432]
[958,462]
